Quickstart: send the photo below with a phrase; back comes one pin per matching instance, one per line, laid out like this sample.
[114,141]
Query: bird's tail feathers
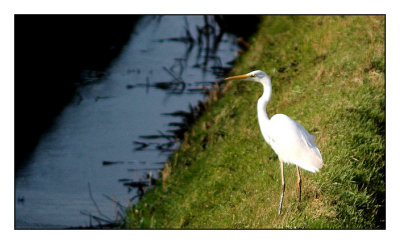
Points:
[313,162]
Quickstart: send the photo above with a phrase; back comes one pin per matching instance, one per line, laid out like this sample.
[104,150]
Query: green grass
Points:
[328,73]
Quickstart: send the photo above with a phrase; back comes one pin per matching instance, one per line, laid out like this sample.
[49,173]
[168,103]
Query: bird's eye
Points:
[253,75]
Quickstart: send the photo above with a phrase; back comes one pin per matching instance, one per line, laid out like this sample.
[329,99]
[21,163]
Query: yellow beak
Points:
[238,77]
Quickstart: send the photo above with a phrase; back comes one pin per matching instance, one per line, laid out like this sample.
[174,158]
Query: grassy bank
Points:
[328,73]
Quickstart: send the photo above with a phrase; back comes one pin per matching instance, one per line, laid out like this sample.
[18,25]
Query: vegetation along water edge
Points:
[328,73]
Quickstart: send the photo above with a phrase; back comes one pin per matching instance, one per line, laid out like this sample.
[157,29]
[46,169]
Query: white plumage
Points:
[290,141]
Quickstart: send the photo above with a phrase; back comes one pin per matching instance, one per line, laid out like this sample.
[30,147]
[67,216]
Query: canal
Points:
[109,142]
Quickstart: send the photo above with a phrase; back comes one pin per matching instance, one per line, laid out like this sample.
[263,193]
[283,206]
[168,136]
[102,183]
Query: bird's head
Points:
[256,75]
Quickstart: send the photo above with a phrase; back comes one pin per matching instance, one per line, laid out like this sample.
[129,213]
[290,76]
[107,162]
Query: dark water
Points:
[80,165]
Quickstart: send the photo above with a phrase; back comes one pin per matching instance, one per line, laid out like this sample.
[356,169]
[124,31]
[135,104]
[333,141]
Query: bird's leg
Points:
[299,181]
[283,188]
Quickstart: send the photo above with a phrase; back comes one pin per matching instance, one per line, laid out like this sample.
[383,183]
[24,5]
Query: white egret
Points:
[290,141]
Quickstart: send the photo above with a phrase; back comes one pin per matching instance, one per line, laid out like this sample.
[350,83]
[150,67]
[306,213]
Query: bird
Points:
[290,141]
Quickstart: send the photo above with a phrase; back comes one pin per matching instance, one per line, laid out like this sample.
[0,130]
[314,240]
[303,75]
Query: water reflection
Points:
[107,147]
[208,38]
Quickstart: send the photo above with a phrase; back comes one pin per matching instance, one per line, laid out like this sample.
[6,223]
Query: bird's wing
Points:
[283,128]
[306,138]
[294,144]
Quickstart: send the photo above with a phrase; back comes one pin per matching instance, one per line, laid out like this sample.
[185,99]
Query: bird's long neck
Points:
[263,101]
